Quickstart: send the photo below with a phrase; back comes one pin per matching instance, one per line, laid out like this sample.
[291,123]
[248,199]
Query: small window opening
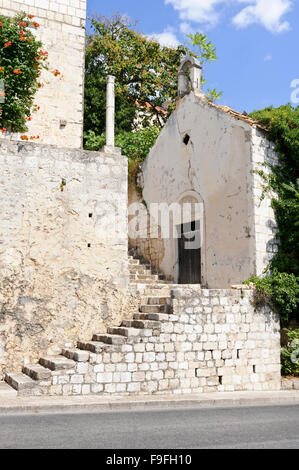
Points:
[220,380]
[90,215]
[186,139]
[238,353]
[254,369]
[88,245]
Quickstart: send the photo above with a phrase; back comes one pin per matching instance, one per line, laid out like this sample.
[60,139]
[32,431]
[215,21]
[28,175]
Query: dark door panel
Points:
[189,255]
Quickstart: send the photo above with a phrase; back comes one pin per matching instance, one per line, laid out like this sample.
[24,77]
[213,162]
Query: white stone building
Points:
[207,154]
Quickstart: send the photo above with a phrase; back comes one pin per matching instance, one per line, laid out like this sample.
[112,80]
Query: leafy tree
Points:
[145,72]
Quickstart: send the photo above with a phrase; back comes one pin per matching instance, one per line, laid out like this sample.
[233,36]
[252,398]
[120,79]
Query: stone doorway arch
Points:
[190,266]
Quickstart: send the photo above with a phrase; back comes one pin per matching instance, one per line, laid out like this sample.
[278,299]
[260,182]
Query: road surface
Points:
[270,427]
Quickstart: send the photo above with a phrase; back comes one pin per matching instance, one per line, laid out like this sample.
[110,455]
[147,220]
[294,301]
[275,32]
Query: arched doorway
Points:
[190,241]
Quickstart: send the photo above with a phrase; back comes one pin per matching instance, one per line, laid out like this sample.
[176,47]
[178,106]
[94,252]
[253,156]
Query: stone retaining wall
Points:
[63,254]
[215,341]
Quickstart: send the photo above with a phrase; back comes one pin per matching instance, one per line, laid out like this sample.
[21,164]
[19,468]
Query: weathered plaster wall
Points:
[216,168]
[62,31]
[63,259]
[140,239]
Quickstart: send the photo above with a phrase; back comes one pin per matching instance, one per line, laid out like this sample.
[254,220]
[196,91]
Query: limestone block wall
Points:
[62,31]
[63,248]
[263,217]
[214,340]
[232,344]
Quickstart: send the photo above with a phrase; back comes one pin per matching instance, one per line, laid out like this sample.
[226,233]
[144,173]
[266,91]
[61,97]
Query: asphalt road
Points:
[269,427]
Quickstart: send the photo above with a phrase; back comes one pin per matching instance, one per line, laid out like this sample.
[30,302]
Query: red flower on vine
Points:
[7,44]
[17,72]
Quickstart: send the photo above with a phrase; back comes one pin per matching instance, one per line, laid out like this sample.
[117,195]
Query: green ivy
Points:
[280,287]
[279,290]
[290,354]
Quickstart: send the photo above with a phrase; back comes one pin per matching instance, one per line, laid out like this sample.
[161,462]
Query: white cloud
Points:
[187,28]
[268,13]
[268,57]
[199,11]
[166,38]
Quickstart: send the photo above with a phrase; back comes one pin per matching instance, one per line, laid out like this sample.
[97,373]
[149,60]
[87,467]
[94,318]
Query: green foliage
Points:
[214,95]
[283,125]
[206,53]
[280,290]
[281,285]
[206,50]
[290,354]
[145,72]
[135,145]
[21,61]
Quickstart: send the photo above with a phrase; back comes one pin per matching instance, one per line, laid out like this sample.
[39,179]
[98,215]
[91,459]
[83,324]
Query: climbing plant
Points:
[21,61]
[280,286]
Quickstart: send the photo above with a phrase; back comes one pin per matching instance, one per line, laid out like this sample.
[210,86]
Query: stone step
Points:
[142,279]
[154,292]
[6,390]
[125,332]
[109,338]
[19,381]
[37,372]
[157,286]
[159,308]
[140,268]
[154,317]
[142,272]
[57,362]
[76,355]
[93,346]
[141,324]
[158,300]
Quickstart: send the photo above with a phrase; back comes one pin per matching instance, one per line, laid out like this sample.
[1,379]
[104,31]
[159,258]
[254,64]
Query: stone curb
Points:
[95,404]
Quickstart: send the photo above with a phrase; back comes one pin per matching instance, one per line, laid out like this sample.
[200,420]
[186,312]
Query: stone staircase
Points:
[76,370]
[142,272]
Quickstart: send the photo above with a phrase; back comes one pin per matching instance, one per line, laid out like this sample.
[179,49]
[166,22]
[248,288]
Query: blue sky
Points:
[257,42]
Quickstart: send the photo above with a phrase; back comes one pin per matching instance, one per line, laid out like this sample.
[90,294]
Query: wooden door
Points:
[189,257]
